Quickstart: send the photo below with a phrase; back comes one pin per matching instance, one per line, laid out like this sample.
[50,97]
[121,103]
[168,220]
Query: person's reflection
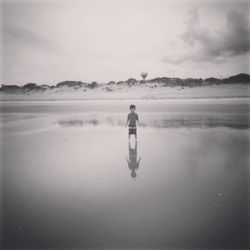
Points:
[133,164]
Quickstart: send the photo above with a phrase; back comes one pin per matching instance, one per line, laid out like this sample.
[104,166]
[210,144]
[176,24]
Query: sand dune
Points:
[133,92]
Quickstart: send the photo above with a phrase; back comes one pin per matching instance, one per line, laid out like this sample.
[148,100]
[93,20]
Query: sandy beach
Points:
[74,78]
[150,92]
[66,175]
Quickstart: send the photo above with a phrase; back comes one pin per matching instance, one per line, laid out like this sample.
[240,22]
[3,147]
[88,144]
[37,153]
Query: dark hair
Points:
[132,106]
[133,174]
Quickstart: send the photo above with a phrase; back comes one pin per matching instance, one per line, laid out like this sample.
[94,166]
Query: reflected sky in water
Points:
[231,113]
[162,121]
[72,181]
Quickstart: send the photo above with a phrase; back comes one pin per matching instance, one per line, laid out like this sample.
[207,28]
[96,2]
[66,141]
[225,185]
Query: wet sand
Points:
[67,184]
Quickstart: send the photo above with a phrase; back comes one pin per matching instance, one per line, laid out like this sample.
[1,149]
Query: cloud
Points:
[199,44]
[19,36]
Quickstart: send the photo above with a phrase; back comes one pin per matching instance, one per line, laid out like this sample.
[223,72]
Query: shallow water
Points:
[71,180]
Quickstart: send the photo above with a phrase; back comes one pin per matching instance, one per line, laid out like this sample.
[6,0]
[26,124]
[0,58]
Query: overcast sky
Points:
[102,40]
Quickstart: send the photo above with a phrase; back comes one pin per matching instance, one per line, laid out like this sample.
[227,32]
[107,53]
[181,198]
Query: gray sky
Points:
[102,40]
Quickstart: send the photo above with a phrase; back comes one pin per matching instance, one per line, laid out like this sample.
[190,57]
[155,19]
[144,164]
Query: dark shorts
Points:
[132,131]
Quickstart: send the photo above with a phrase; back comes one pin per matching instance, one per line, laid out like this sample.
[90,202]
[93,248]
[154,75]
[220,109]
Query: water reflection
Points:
[77,122]
[133,163]
[236,121]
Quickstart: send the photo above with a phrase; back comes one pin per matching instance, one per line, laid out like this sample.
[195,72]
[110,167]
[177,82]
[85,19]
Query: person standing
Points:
[132,122]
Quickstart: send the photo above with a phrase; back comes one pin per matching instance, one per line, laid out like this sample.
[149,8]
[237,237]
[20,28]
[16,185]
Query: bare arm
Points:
[127,161]
[127,122]
[137,121]
[138,162]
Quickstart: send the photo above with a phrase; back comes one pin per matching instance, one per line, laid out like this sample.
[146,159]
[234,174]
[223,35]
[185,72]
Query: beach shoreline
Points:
[133,93]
